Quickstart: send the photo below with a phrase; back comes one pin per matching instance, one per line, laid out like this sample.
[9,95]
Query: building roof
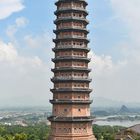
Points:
[129,138]
[132,132]
[135,128]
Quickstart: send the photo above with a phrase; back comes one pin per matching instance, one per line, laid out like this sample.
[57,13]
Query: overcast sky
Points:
[26,32]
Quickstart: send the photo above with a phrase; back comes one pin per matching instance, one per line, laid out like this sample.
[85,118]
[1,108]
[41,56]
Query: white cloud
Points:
[120,79]
[28,78]
[8,7]
[100,63]
[23,80]
[128,12]
[19,23]
[9,55]
[7,52]
[39,41]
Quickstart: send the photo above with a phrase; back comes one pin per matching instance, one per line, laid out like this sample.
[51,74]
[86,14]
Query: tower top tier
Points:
[66,1]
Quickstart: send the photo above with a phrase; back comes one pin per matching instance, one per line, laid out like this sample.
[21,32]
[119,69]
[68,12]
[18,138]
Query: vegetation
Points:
[106,132]
[37,132]
[41,132]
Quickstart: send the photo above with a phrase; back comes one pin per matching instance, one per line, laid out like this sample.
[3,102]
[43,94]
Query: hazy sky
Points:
[26,32]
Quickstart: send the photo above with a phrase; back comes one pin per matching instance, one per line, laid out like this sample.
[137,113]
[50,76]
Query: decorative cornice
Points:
[71,69]
[66,58]
[63,90]
[71,48]
[56,101]
[58,2]
[71,19]
[70,119]
[70,79]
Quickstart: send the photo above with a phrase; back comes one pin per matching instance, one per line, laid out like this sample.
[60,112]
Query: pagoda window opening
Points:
[79,110]
[65,110]
[69,130]
[85,130]
[65,97]
[65,130]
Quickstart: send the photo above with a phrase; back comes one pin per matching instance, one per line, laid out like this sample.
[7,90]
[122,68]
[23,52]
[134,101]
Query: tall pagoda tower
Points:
[71,118]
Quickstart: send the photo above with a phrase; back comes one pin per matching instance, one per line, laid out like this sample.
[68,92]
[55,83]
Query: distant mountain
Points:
[110,103]
[104,102]
[124,110]
[101,113]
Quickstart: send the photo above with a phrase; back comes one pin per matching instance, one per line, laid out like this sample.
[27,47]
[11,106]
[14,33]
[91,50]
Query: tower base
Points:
[72,138]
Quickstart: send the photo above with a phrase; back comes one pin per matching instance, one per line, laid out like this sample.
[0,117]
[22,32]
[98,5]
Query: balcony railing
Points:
[71,68]
[57,2]
[71,58]
[71,18]
[65,47]
[69,90]
[56,101]
[66,78]
[71,27]
[72,7]
[71,77]
[71,36]
[72,10]
[70,119]
[71,46]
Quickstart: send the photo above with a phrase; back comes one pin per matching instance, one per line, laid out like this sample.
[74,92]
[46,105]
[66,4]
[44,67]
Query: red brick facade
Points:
[71,119]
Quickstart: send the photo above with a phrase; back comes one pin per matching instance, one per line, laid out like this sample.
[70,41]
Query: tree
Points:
[33,137]
[2,130]
[21,136]
[8,137]
[1,138]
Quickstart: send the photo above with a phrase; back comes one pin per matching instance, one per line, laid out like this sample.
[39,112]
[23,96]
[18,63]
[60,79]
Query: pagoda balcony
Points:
[72,9]
[71,18]
[70,58]
[71,47]
[68,79]
[70,119]
[69,90]
[71,37]
[58,2]
[72,28]
[56,101]
[71,69]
